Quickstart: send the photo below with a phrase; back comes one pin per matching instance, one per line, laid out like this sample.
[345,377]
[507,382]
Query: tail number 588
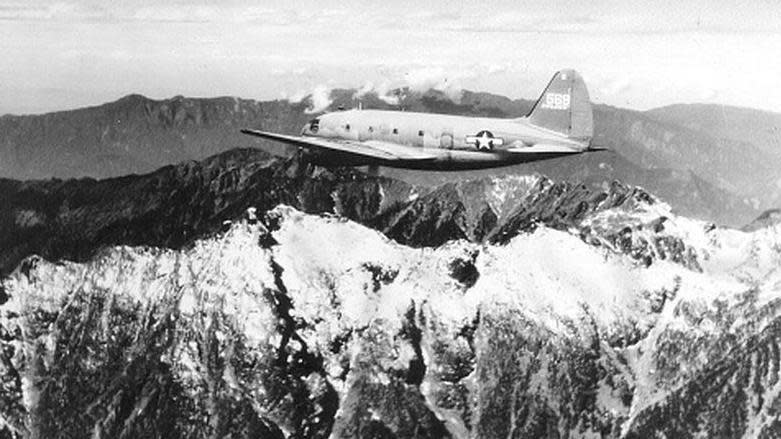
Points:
[556,101]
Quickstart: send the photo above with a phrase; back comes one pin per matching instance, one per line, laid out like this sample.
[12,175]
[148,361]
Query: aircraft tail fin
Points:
[565,107]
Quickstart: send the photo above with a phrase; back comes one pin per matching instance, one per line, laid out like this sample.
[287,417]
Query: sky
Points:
[57,55]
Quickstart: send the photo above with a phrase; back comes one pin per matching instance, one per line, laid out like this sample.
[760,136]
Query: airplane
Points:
[559,124]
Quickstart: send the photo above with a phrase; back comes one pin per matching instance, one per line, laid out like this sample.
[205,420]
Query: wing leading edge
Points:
[371,149]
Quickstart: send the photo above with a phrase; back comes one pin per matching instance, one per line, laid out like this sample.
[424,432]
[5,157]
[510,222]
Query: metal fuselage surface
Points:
[457,142]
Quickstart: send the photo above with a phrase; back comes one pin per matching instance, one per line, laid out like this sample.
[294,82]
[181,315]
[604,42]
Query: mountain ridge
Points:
[72,219]
[727,121]
[136,135]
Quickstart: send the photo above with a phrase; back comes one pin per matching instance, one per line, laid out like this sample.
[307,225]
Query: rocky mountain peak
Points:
[288,324]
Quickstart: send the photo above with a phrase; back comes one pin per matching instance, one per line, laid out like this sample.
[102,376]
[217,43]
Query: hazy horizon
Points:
[69,54]
[295,99]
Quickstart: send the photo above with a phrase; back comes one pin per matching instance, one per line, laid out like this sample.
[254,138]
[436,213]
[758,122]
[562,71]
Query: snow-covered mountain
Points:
[567,314]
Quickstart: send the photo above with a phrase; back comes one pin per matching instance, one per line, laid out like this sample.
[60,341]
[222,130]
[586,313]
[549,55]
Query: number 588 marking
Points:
[556,101]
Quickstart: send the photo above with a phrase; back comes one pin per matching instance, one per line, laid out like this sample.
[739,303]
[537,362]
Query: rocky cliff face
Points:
[287,324]
[171,207]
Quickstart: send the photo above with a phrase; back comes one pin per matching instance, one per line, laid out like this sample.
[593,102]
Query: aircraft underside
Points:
[447,161]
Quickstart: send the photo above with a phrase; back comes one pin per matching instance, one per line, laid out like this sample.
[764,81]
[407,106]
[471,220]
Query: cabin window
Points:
[395,131]
[371,129]
[347,127]
[420,133]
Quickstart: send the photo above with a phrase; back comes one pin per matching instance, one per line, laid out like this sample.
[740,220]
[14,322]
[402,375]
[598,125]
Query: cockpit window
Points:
[314,125]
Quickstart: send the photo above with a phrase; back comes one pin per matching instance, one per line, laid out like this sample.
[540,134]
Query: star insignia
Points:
[484,140]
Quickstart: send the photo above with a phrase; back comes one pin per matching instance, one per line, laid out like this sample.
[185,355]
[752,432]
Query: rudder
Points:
[565,107]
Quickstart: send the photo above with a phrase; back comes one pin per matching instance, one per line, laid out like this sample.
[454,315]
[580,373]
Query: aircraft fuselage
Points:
[560,123]
[460,142]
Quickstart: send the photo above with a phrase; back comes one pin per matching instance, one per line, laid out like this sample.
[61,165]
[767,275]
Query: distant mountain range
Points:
[745,138]
[683,154]
[133,135]
[761,128]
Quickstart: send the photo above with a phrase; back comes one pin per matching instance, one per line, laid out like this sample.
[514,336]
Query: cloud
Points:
[319,97]
[53,11]
[418,79]
[179,14]
[295,97]
[615,86]
[437,78]
[384,91]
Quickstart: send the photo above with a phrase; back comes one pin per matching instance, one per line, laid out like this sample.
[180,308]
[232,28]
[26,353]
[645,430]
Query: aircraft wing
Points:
[373,148]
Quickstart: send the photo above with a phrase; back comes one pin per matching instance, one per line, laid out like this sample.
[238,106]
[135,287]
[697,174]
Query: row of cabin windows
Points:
[371,130]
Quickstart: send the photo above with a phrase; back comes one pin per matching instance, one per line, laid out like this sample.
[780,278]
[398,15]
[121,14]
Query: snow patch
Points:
[504,189]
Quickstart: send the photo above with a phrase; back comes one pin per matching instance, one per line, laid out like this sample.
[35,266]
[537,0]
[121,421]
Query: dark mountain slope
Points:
[134,135]
[768,218]
[688,193]
[170,207]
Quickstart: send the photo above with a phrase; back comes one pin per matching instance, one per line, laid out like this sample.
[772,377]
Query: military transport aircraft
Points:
[559,124]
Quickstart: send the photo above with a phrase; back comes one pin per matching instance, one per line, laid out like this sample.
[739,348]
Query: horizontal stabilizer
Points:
[544,148]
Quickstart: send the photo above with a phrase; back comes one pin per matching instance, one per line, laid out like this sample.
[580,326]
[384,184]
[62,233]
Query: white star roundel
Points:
[484,140]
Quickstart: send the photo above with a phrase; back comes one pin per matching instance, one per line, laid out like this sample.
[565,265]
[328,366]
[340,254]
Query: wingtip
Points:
[251,132]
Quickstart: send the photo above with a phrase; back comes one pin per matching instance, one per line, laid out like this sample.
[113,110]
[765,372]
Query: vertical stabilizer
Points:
[565,107]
